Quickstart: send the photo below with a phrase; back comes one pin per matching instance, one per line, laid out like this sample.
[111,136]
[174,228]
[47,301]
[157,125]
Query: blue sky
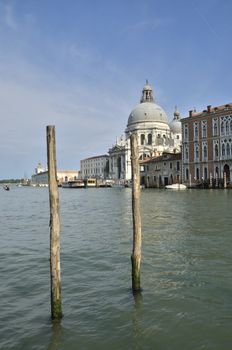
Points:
[81,66]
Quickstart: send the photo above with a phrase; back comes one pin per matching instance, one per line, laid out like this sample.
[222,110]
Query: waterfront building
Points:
[207,146]
[41,176]
[95,167]
[119,160]
[155,135]
[161,171]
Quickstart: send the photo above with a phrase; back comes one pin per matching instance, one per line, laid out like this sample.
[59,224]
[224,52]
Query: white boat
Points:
[73,184]
[176,187]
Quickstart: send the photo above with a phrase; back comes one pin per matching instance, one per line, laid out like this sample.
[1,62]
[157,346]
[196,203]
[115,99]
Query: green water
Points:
[186,301]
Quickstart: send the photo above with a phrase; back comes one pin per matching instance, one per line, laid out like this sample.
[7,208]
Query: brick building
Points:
[207,146]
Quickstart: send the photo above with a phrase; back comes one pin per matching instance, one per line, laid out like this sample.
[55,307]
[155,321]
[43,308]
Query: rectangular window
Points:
[196,152]
[204,151]
[185,132]
[186,153]
[215,127]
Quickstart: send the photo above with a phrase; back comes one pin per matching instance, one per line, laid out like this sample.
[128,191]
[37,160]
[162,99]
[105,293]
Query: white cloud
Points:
[147,25]
[9,17]
[87,118]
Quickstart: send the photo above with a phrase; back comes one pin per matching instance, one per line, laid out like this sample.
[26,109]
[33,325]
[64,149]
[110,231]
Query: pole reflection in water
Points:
[56,336]
[137,319]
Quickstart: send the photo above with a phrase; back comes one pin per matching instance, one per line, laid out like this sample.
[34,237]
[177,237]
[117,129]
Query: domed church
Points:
[155,134]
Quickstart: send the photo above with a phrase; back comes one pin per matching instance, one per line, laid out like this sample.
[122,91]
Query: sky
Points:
[81,66]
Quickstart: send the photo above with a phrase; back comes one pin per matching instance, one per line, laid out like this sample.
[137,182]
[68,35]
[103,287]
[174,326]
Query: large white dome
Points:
[147,112]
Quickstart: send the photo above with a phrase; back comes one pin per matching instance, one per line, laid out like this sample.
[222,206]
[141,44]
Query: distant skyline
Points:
[82,66]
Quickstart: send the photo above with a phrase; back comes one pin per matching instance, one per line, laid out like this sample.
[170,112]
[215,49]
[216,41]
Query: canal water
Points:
[186,302]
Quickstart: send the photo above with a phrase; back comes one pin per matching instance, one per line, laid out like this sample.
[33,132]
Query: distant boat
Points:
[73,184]
[6,188]
[176,187]
[90,182]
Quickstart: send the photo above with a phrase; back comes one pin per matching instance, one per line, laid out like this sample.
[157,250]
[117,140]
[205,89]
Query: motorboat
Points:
[176,187]
[73,184]
[6,188]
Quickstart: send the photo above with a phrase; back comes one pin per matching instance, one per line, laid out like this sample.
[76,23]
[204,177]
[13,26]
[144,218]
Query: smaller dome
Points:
[175,124]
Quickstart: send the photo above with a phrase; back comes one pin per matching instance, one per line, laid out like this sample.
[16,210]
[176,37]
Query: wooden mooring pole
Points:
[56,309]
[137,240]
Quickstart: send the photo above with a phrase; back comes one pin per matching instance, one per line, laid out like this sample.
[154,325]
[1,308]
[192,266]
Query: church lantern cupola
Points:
[147,95]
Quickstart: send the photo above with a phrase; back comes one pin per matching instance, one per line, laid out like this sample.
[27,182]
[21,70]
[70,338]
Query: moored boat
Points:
[176,187]
[73,184]
[90,182]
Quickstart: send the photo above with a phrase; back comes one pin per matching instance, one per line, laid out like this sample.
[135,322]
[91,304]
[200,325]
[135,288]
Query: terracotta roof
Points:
[208,110]
[165,156]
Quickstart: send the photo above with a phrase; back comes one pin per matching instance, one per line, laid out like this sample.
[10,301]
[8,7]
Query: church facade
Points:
[155,135]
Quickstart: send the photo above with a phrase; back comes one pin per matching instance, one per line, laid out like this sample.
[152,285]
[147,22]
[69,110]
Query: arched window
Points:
[186,153]
[142,139]
[187,174]
[227,127]
[149,139]
[215,129]
[227,149]
[222,128]
[186,132]
[204,131]
[223,149]
[196,131]
[197,174]
[216,150]
[231,126]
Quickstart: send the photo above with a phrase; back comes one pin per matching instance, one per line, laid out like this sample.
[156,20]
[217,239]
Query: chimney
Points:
[190,114]
[209,108]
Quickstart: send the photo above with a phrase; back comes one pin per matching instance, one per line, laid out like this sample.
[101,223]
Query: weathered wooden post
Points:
[225,180]
[56,309]
[137,240]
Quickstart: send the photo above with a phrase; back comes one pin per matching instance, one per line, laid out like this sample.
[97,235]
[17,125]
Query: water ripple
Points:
[186,271]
